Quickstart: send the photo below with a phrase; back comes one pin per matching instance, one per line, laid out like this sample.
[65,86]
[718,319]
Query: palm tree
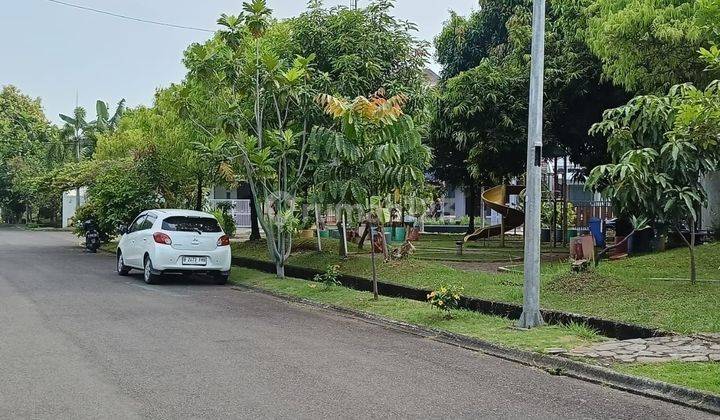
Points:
[76,133]
[82,135]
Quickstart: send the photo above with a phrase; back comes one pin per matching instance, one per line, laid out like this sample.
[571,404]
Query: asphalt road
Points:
[78,341]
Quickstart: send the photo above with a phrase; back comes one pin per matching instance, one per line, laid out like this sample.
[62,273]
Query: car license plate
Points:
[194,260]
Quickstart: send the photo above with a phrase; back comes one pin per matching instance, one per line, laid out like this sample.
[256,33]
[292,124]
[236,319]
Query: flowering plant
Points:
[446,298]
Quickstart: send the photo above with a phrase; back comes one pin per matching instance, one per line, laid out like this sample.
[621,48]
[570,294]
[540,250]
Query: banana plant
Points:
[104,122]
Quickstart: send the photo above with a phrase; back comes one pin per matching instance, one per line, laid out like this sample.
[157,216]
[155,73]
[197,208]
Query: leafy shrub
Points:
[223,214]
[546,215]
[446,298]
[227,222]
[329,277]
[118,193]
[306,223]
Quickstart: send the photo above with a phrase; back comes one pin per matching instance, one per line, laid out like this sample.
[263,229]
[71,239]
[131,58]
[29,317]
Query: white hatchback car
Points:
[169,241]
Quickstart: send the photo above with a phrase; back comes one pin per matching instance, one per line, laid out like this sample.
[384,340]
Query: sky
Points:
[56,52]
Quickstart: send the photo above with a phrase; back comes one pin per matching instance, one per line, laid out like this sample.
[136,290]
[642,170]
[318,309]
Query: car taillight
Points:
[223,241]
[162,238]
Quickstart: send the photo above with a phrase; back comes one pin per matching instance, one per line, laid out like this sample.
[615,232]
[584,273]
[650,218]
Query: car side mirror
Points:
[122,229]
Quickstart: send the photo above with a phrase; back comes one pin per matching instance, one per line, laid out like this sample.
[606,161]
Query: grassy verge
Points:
[489,328]
[621,290]
[699,375]
[109,247]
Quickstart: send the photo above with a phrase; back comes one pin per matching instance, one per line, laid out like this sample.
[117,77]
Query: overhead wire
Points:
[136,19]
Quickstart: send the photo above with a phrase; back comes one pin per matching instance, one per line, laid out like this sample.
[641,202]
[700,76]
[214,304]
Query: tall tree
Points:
[662,148]
[576,94]
[24,135]
[648,45]
[465,41]
[76,132]
[269,119]
[360,50]
[470,49]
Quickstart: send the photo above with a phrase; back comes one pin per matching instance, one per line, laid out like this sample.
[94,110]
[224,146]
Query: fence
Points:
[240,210]
[586,210]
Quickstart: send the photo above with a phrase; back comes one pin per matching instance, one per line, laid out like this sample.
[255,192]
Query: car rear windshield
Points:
[191,224]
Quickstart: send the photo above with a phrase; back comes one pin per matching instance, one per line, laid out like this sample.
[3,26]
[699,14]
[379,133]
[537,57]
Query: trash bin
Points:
[571,233]
[595,226]
[400,234]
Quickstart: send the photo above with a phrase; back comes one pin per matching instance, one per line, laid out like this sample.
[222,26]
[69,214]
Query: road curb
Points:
[554,365]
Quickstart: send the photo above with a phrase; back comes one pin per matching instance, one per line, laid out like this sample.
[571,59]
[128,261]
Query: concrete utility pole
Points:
[77,151]
[531,316]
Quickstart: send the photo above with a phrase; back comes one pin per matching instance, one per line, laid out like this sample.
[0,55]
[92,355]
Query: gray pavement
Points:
[78,341]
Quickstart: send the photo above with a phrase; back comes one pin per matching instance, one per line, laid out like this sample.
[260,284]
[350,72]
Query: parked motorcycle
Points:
[92,236]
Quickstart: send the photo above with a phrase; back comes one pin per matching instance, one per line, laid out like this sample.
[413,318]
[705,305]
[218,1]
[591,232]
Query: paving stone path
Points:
[695,348]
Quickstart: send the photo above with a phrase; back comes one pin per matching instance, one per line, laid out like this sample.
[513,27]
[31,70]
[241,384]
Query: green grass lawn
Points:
[699,375]
[621,290]
[473,324]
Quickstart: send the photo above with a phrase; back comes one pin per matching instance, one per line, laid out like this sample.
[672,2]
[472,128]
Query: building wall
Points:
[711,213]
[223,193]
[68,206]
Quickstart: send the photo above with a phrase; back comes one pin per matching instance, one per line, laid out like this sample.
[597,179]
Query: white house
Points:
[69,204]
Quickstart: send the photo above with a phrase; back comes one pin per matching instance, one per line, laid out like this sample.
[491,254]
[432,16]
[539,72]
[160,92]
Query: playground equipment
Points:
[496,198]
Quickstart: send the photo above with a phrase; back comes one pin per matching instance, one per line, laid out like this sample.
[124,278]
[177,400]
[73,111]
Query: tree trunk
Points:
[343,237]
[691,247]
[471,210]
[254,225]
[280,269]
[361,242]
[199,194]
[317,224]
[565,203]
[693,263]
[372,257]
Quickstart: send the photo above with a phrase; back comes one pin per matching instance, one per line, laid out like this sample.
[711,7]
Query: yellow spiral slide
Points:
[496,198]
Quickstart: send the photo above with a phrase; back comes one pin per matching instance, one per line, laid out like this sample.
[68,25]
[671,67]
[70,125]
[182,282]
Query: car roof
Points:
[164,213]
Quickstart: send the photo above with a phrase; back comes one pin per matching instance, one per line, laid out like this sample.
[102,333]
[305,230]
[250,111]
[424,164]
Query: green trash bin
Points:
[400,234]
[571,233]
[324,233]
[388,232]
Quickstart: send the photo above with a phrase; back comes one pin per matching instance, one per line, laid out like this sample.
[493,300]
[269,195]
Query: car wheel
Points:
[220,278]
[122,269]
[148,275]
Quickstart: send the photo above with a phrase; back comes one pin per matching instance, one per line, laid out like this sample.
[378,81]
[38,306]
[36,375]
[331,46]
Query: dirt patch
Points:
[494,266]
[577,283]
[483,267]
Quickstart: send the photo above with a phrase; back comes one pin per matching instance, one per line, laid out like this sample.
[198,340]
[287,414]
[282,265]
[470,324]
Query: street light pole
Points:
[531,316]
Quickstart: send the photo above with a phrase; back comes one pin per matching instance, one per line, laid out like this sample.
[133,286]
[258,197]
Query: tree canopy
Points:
[25,134]
[482,107]
[648,45]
